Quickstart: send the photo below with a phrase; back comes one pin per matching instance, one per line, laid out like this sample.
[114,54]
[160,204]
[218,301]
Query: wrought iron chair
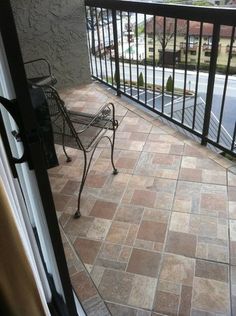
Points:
[39,72]
[80,130]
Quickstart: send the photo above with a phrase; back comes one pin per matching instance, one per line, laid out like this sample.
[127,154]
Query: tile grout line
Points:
[164,244]
[176,186]
[229,238]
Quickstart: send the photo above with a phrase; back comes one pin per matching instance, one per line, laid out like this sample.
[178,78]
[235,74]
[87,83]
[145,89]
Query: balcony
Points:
[159,237]
[154,238]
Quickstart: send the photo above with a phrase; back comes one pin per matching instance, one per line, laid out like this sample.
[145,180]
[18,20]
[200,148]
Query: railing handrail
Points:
[215,15]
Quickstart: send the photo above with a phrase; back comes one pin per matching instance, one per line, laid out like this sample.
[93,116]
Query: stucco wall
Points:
[55,30]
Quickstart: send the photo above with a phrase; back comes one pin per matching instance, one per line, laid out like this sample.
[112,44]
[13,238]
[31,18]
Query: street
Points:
[229,113]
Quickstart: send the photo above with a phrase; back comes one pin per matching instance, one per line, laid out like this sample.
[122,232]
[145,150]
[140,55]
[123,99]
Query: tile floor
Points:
[159,238]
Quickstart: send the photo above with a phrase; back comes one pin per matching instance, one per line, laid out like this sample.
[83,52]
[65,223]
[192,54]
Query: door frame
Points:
[34,149]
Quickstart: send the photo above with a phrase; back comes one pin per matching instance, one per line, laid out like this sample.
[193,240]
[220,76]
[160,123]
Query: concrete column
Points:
[55,30]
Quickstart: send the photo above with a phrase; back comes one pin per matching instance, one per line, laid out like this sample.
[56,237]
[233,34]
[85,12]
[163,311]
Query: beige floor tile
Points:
[190,174]
[113,192]
[75,228]
[144,262]
[232,193]
[231,179]
[118,232]
[103,209]
[124,254]
[181,244]
[157,147]
[211,296]
[152,231]
[232,210]
[233,241]
[212,176]
[180,222]
[208,199]
[143,182]
[208,235]
[115,286]
[194,151]
[185,300]
[233,230]
[158,165]
[156,215]
[233,288]
[144,198]
[87,249]
[143,291]
[177,269]
[83,286]
[131,236]
[166,303]
[129,214]
[57,183]
[99,229]
[60,201]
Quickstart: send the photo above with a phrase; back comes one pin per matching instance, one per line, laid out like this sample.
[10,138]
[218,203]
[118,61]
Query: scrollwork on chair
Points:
[81,130]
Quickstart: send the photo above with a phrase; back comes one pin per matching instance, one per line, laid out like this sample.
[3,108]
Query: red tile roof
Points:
[194,27]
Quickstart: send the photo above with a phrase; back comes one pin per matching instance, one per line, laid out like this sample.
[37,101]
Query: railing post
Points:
[211,81]
[233,139]
[117,66]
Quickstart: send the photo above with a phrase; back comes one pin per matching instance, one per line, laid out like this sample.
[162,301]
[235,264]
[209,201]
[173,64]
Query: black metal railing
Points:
[170,59]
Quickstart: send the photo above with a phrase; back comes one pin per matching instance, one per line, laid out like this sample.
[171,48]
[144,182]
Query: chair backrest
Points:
[63,129]
[44,125]
[39,72]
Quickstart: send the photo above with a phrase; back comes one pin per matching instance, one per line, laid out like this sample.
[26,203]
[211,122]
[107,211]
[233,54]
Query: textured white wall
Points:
[55,30]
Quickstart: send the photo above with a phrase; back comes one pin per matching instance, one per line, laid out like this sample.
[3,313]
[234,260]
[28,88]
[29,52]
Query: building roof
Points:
[194,27]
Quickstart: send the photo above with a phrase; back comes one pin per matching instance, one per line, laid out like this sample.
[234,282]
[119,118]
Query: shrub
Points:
[140,79]
[169,84]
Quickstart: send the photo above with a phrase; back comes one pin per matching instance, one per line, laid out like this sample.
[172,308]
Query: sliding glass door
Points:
[27,182]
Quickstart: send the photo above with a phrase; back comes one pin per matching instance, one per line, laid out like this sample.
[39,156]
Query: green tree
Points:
[140,79]
[169,84]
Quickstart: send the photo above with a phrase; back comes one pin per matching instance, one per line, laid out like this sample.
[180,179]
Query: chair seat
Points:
[80,122]
[103,121]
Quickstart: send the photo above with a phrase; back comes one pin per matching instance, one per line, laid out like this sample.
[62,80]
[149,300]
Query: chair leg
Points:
[86,170]
[84,176]
[77,213]
[115,171]
[68,159]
